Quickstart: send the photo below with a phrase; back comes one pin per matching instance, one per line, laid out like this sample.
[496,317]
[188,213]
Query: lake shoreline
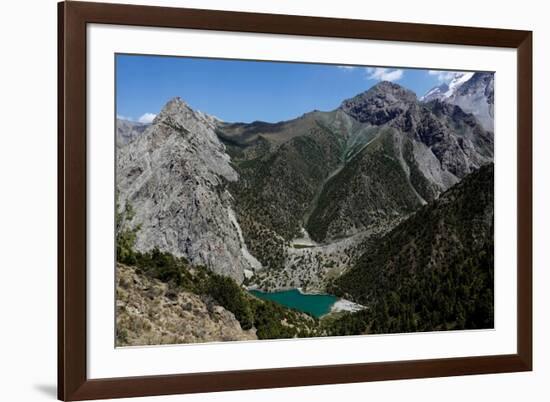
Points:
[344,305]
[315,305]
[312,292]
[339,305]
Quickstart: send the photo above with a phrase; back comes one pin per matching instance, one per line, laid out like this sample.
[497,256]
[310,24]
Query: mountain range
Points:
[127,131]
[302,202]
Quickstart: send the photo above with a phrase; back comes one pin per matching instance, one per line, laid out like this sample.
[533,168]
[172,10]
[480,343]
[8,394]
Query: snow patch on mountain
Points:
[456,82]
[447,89]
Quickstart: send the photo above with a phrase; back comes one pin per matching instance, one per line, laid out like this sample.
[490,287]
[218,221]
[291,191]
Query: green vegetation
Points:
[434,271]
[346,324]
[125,238]
[276,188]
[271,320]
[370,190]
[300,246]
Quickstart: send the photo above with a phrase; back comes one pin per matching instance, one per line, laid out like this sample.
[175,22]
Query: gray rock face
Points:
[380,104]
[457,138]
[174,177]
[127,131]
[474,95]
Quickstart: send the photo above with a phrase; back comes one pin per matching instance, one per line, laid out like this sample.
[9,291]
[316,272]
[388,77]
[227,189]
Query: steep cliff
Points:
[174,178]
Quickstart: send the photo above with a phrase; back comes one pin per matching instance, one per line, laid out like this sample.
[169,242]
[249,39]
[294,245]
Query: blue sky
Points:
[244,91]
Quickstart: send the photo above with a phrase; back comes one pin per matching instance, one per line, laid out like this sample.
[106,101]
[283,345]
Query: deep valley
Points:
[384,205]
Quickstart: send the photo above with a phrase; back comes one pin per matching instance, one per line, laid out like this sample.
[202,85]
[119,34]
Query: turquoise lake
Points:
[316,305]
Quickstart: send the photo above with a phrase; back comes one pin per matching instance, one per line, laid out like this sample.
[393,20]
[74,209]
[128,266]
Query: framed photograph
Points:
[254,201]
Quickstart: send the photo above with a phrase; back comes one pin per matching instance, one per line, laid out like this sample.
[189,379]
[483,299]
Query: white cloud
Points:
[347,68]
[147,118]
[120,117]
[445,76]
[384,74]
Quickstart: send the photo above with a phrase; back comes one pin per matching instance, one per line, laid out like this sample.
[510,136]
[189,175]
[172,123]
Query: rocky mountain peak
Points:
[392,90]
[174,104]
[380,104]
[384,90]
[175,109]
[177,112]
[174,177]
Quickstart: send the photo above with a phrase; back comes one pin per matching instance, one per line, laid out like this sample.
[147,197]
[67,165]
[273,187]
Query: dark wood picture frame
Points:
[73,383]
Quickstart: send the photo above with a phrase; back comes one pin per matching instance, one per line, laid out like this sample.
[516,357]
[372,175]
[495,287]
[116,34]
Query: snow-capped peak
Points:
[446,89]
[436,91]
[456,82]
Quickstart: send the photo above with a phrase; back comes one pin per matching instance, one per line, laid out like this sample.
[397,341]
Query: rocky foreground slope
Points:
[163,299]
[151,312]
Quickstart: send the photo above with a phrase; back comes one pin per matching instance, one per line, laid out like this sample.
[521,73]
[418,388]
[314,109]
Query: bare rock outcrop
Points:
[174,177]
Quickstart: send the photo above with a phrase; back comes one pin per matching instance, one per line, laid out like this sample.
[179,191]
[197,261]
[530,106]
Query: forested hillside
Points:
[434,270]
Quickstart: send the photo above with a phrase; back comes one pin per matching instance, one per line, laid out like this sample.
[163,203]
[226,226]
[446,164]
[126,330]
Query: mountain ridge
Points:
[237,197]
